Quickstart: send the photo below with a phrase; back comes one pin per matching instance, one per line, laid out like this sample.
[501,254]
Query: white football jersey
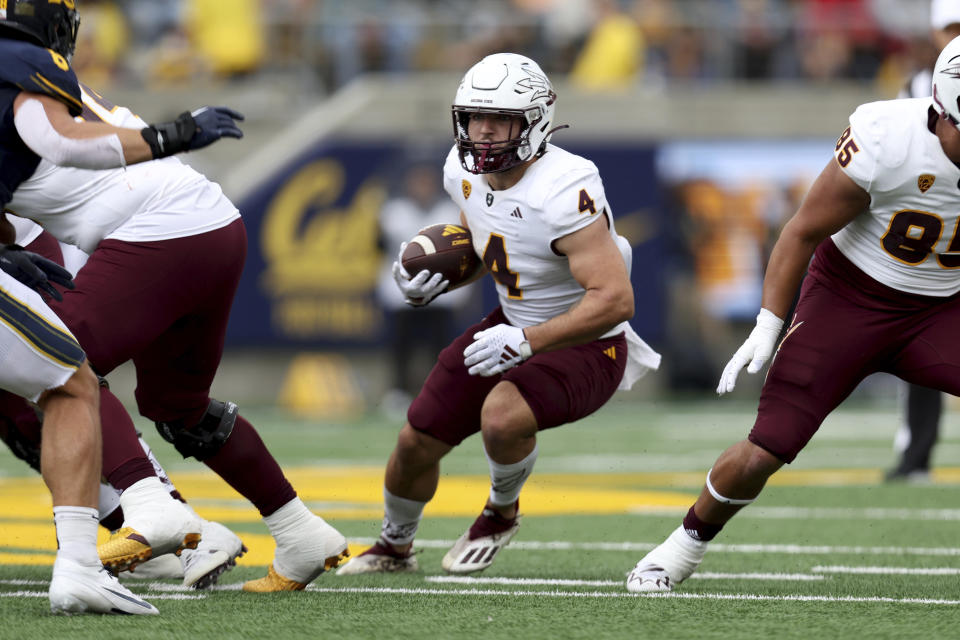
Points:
[514,229]
[909,238]
[156,200]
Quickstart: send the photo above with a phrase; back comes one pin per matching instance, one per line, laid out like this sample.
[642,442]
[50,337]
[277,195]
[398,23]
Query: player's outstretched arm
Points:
[47,127]
[832,202]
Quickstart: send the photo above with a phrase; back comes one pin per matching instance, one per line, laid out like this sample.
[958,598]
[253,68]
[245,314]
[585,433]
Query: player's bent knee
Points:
[759,462]
[506,417]
[418,448]
[204,439]
[82,385]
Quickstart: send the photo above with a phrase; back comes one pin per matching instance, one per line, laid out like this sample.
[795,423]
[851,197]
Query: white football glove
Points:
[495,350]
[756,350]
[419,290]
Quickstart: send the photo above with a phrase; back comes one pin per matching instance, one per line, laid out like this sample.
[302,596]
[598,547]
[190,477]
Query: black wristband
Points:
[167,138]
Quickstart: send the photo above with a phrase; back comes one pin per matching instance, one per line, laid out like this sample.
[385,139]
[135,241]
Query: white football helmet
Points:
[504,84]
[946,82]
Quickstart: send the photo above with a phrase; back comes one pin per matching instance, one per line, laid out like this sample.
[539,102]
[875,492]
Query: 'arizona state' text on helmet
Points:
[49,23]
[505,84]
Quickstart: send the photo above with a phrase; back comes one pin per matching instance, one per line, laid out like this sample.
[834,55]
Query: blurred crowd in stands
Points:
[602,44]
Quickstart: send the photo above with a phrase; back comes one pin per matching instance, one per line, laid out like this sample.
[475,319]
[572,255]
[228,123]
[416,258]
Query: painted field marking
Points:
[889,571]
[23,594]
[553,594]
[613,594]
[560,582]
[151,596]
[821,513]
[787,549]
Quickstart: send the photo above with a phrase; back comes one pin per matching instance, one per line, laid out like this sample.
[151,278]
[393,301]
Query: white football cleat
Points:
[217,552]
[476,549]
[165,567]
[199,568]
[380,558]
[667,565]
[320,547]
[76,588]
[150,530]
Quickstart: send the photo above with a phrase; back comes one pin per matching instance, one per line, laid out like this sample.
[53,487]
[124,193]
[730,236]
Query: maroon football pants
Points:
[846,327]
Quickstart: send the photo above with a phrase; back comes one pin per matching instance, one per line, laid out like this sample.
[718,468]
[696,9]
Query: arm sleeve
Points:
[88,153]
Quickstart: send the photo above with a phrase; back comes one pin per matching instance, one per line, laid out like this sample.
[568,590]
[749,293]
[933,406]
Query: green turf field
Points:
[827,551]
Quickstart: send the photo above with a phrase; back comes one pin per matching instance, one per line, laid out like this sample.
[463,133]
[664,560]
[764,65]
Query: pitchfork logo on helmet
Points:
[49,23]
[537,82]
[504,84]
[946,82]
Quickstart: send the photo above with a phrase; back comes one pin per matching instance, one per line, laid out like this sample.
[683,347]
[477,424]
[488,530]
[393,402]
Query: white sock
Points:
[143,494]
[683,538]
[109,499]
[506,480]
[401,518]
[290,526]
[77,534]
[285,521]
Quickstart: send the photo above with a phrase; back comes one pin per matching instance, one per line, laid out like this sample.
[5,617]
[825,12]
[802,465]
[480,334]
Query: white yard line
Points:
[559,582]
[788,549]
[624,594]
[889,571]
[820,513]
[150,596]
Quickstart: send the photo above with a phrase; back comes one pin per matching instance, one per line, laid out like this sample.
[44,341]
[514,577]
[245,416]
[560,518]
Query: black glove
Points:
[34,270]
[193,130]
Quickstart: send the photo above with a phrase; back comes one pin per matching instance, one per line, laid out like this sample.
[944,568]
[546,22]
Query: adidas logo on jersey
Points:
[611,353]
[516,213]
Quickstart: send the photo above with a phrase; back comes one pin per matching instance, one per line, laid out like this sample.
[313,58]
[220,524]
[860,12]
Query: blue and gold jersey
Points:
[28,67]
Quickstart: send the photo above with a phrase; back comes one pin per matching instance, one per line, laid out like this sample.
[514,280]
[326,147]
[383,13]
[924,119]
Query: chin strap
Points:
[551,132]
[543,147]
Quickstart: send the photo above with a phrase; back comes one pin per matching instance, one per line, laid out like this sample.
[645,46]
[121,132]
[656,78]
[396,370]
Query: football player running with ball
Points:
[882,294]
[556,348]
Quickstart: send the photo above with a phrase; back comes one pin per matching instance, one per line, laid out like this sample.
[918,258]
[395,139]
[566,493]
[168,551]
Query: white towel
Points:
[641,358]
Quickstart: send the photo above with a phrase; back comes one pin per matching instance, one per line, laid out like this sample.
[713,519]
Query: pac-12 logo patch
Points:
[925,181]
[467,189]
[489,199]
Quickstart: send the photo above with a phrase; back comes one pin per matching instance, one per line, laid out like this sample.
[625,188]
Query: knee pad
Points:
[204,439]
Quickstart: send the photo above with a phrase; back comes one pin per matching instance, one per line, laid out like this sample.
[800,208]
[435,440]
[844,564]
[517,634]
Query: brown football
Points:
[444,248]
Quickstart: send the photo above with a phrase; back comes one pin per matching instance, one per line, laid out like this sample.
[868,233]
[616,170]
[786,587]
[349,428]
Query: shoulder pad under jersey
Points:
[880,128]
[560,171]
[573,195]
[37,70]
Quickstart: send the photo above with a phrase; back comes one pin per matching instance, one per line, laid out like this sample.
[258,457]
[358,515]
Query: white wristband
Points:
[525,350]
